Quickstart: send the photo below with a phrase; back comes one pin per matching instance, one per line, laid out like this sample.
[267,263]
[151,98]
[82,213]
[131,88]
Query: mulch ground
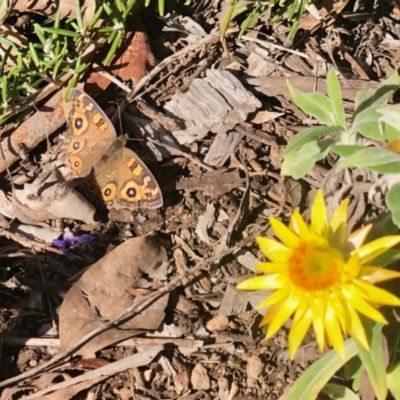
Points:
[217,161]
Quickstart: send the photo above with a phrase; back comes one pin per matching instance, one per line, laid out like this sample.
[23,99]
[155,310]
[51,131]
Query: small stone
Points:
[223,383]
[148,375]
[200,379]
[218,323]
[254,367]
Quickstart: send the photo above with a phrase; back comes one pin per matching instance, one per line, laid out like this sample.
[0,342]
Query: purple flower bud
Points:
[70,240]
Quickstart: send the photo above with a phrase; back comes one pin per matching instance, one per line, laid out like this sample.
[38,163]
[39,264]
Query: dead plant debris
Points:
[149,308]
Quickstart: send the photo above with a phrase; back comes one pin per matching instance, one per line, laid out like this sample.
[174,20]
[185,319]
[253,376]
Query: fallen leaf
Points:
[101,295]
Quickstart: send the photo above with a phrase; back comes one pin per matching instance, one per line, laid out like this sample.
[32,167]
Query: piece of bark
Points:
[34,130]
[213,184]
[221,148]
[216,103]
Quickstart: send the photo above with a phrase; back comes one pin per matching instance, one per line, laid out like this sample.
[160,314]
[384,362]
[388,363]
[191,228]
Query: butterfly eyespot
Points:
[77,164]
[76,145]
[131,192]
[107,192]
[78,123]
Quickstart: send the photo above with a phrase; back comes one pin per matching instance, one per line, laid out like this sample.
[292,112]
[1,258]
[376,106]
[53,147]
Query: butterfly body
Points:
[119,178]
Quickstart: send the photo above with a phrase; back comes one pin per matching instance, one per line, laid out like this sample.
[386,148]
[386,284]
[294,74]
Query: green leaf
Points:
[299,163]
[96,17]
[339,392]
[375,159]
[113,48]
[34,55]
[344,150]
[318,374]
[310,135]
[373,361]
[393,203]
[367,124]
[389,120]
[161,7]
[315,104]
[389,132]
[4,91]
[335,95]
[128,8]
[393,381]
[255,14]
[228,17]
[62,32]
[79,19]
[375,97]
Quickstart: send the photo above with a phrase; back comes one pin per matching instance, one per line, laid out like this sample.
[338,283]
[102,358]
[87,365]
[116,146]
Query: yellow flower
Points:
[322,277]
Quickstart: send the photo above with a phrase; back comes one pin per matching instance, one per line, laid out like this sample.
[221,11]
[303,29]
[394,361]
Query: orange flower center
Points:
[315,268]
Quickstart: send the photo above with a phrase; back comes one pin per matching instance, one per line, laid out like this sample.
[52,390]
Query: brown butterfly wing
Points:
[122,180]
[91,133]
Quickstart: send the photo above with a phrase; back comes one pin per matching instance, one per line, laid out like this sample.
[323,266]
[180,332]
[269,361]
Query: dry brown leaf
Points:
[65,8]
[135,58]
[101,295]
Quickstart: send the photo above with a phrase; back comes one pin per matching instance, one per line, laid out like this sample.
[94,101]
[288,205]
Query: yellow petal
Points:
[377,295]
[377,247]
[286,310]
[377,274]
[273,250]
[351,269]
[298,226]
[318,214]
[333,331]
[271,268]
[339,217]
[346,321]
[270,315]
[357,330]
[304,305]
[298,331]
[357,238]
[284,234]
[263,282]
[276,297]
[338,308]
[318,309]
[363,307]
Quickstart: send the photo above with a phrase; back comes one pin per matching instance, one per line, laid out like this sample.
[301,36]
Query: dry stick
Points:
[139,307]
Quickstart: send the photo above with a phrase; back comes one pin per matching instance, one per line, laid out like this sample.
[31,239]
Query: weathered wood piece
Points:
[216,103]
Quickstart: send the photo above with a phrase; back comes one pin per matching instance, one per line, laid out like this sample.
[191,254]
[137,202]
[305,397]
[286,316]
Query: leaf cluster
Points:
[373,121]
[293,10]
[65,45]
